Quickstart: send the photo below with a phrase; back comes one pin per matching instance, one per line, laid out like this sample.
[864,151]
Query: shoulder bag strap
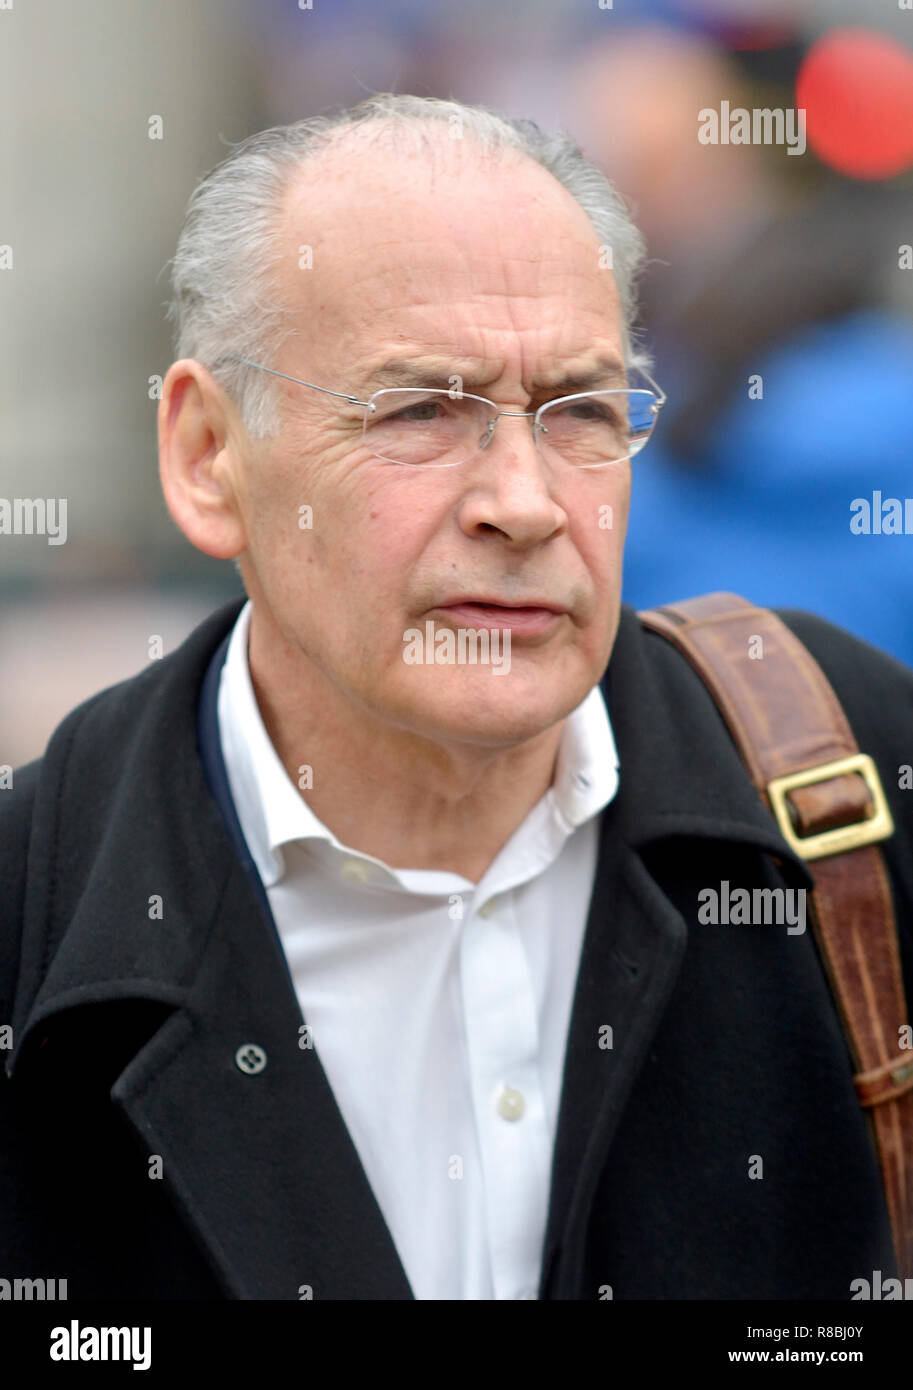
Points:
[830,806]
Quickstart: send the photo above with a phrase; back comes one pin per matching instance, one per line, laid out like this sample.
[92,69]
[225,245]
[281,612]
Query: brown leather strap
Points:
[784,718]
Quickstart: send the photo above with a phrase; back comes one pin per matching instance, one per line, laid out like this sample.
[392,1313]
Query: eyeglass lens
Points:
[441,427]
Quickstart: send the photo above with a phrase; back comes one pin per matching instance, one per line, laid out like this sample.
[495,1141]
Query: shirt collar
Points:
[269,805]
[586,773]
[273,812]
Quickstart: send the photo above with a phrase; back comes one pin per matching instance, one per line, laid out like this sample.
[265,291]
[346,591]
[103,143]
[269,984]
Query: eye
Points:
[422,413]
[592,410]
[589,410]
[411,409]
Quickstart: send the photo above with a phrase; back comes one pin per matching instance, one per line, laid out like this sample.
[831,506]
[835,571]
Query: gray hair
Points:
[223,300]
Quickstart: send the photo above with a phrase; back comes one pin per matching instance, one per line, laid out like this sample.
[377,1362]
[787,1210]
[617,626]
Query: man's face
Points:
[490,273]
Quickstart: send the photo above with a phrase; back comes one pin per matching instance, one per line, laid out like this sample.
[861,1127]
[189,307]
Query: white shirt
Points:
[439,1009]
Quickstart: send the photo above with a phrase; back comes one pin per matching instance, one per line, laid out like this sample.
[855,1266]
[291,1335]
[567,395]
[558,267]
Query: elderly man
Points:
[357,948]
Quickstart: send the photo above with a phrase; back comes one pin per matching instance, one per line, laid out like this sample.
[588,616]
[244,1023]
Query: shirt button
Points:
[487,909]
[356,870]
[511,1104]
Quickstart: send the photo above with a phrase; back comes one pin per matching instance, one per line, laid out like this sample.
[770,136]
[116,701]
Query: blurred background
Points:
[778,299]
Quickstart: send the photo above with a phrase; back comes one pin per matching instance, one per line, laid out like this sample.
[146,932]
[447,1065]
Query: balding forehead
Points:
[365,166]
[374,252]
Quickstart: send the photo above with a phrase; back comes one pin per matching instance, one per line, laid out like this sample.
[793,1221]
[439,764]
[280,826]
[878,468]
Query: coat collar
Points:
[199,974]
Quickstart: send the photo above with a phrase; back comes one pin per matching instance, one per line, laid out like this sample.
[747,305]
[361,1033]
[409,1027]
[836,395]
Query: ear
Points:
[202,447]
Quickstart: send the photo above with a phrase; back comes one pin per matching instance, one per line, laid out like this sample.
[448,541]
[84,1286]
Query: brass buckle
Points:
[877,826]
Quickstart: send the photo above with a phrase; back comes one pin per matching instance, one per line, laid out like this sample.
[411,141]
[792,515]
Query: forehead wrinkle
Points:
[428,248]
[416,369]
[419,367]
[527,287]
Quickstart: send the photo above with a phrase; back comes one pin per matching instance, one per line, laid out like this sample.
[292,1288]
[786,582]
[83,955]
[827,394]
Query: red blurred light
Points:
[857,89]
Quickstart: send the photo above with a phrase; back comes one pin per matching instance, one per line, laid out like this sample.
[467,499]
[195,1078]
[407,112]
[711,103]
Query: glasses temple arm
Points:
[258,366]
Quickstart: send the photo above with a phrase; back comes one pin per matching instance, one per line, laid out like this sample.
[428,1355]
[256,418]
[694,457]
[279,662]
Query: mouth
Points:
[524,619]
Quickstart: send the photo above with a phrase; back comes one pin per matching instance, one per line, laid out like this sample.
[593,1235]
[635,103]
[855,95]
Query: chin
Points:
[493,710]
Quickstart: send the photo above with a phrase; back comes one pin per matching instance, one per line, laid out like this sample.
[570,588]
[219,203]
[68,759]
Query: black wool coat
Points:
[727,1047]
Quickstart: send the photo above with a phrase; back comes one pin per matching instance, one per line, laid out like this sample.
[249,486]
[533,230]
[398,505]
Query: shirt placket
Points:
[503,1046]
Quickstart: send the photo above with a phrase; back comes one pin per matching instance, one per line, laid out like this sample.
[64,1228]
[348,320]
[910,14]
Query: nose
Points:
[510,489]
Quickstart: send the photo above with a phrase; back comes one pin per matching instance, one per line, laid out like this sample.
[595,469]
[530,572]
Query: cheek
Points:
[342,538]
[600,519]
[291,514]
[383,522]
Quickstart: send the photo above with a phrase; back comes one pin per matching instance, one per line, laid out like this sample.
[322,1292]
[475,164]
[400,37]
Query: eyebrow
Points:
[417,372]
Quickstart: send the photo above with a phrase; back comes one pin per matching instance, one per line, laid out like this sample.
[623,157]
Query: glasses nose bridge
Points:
[514,414]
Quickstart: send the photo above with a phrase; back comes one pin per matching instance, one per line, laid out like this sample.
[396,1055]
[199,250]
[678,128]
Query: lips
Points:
[524,619]
[468,600]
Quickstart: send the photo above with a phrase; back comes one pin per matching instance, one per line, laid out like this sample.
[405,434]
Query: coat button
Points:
[250,1058]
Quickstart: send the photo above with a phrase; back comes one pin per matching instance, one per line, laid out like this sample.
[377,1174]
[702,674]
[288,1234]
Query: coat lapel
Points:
[260,1162]
[631,955]
[680,776]
[266,1172]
